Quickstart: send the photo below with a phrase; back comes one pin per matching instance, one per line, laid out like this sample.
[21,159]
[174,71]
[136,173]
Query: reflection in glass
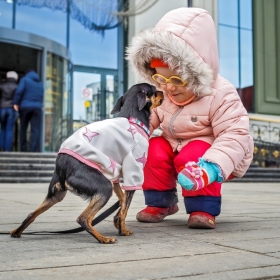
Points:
[6,14]
[236,47]
[246,58]
[228,12]
[44,22]
[57,103]
[83,80]
[87,97]
[91,49]
[246,14]
[228,49]
[95,100]
[111,95]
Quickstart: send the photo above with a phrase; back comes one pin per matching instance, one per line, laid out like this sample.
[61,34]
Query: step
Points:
[261,175]
[25,180]
[25,160]
[26,173]
[256,180]
[27,166]
[17,167]
[263,169]
[27,155]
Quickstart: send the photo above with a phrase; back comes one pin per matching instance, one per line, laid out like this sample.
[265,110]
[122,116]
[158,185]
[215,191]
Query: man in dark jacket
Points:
[7,112]
[28,100]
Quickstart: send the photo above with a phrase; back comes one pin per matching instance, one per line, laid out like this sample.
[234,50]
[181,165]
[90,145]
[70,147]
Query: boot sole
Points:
[148,218]
[201,222]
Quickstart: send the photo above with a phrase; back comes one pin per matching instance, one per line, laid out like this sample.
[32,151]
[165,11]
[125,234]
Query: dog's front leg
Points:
[123,213]
[125,201]
[120,195]
[119,219]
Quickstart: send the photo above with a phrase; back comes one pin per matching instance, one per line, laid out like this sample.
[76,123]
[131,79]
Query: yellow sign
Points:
[87,104]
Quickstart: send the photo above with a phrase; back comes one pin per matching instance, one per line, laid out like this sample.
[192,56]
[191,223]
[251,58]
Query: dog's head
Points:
[138,96]
[136,103]
[156,99]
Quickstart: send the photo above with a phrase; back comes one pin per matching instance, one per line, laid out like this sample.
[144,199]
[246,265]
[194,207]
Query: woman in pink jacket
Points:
[205,128]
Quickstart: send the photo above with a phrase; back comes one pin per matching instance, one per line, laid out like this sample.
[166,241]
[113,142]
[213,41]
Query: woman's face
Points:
[179,94]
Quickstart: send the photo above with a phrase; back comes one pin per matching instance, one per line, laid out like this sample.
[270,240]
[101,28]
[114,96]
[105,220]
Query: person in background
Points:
[205,128]
[28,100]
[7,113]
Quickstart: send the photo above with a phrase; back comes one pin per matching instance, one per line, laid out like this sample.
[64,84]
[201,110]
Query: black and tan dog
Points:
[91,182]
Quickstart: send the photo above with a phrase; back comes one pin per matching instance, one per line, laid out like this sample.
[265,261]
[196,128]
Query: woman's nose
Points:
[170,87]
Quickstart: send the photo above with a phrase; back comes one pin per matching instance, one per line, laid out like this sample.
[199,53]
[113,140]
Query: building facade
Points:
[70,44]
[78,47]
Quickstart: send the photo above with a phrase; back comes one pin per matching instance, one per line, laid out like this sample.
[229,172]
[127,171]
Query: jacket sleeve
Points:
[133,164]
[19,92]
[230,123]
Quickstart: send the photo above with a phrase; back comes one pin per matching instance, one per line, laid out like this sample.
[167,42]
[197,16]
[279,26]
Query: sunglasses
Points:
[175,80]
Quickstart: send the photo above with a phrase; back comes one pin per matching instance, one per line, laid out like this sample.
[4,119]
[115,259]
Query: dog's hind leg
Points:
[56,194]
[91,184]
[125,200]
[85,219]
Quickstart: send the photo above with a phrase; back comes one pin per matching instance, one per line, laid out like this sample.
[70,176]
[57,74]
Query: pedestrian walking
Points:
[28,100]
[7,113]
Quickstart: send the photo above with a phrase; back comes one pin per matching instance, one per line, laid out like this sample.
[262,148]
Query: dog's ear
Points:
[118,105]
[142,100]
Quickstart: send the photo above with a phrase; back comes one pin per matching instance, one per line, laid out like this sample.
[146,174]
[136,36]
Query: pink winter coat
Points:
[185,39]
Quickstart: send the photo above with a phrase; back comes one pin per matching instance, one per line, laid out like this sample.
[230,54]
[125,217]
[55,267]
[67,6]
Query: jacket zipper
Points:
[171,123]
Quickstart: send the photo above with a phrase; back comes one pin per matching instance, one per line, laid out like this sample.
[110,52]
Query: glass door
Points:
[57,109]
[94,95]
[18,58]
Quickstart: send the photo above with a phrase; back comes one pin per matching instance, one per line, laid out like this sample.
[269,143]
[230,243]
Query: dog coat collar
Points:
[140,124]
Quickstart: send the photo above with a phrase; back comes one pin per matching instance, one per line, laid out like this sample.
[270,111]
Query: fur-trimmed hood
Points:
[186,40]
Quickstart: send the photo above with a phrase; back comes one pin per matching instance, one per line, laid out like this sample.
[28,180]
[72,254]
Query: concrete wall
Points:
[149,18]
[266,36]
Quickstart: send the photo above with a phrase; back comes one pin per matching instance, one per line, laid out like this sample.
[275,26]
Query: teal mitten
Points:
[195,176]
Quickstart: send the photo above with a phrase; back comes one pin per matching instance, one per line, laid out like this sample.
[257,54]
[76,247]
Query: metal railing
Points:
[266,135]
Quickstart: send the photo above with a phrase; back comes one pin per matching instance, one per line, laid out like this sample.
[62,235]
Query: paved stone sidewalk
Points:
[245,244]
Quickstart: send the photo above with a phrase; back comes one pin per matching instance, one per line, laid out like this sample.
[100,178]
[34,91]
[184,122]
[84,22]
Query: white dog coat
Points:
[117,147]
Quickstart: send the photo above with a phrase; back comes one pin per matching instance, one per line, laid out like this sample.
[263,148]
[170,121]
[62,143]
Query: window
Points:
[6,14]
[236,47]
[57,107]
[43,22]
[89,48]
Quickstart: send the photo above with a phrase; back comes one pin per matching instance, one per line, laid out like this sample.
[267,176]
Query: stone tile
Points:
[245,244]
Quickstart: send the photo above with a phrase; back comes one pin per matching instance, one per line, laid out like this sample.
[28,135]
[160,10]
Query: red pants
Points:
[161,169]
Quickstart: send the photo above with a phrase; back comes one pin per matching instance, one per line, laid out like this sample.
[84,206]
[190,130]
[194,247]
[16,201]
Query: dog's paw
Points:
[107,240]
[126,232]
[15,233]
